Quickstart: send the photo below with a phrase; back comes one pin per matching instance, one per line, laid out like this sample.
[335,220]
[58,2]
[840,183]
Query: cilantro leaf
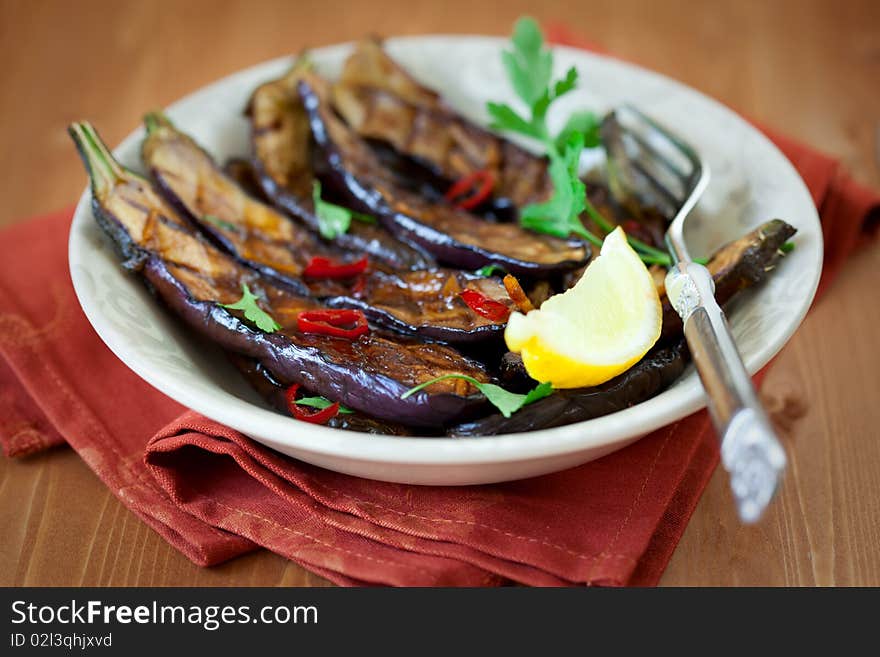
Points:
[505,401]
[321,403]
[217,221]
[252,312]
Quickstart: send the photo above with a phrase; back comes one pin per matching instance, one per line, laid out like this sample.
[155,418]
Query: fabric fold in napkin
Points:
[215,494]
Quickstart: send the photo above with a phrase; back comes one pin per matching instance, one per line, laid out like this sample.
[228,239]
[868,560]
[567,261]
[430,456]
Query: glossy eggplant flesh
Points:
[451,235]
[283,160]
[262,381]
[193,278]
[421,302]
[654,373]
[380,100]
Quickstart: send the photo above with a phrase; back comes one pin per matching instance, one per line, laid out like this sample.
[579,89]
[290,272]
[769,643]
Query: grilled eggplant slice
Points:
[380,100]
[738,265]
[422,302]
[452,236]
[194,278]
[242,171]
[281,142]
[273,392]
[654,373]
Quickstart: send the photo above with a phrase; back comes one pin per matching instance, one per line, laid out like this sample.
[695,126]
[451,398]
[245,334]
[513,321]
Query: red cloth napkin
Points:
[215,494]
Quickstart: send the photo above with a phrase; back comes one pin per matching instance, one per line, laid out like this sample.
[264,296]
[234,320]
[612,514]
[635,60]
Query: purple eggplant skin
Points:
[423,231]
[275,394]
[262,238]
[283,163]
[358,373]
[654,373]
[372,240]
[307,365]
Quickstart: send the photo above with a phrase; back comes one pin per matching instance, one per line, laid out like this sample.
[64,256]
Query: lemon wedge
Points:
[595,330]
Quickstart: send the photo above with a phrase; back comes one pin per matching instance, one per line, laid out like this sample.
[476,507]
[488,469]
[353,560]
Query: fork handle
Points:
[750,451]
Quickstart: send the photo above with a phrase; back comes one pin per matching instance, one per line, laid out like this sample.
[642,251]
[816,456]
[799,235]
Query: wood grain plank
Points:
[807,67]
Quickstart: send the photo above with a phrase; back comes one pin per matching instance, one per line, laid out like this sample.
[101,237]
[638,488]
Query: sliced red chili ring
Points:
[320,267]
[341,323]
[484,306]
[318,416]
[471,190]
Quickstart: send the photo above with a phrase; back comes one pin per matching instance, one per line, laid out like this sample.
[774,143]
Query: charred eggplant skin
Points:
[650,376]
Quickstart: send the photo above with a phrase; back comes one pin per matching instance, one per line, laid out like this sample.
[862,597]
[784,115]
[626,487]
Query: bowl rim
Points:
[672,405]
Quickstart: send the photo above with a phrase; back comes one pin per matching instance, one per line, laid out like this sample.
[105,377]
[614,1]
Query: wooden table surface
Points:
[810,68]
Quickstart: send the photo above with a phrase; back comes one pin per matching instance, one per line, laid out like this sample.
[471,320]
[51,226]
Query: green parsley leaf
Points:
[505,401]
[562,87]
[217,221]
[252,312]
[364,218]
[488,270]
[560,216]
[334,219]
[505,118]
[321,403]
[587,123]
[528,66]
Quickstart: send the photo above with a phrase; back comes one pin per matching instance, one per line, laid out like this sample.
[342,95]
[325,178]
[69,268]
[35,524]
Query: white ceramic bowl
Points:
[752,182]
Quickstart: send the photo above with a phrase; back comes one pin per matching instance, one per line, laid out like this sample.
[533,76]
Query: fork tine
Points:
[681,145]
[659,187]
[656,154]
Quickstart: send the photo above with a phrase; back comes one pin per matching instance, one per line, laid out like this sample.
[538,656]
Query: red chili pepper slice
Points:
[471,190]
[320,267]
[318,416]
[484,306]
[342,323]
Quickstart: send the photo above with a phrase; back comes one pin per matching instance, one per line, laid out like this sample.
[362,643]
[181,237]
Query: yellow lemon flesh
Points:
[597,329]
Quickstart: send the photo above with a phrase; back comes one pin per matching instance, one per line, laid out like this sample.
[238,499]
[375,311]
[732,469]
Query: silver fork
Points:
[649,163]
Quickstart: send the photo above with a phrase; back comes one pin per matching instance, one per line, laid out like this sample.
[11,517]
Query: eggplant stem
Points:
[104,171]
[155,120]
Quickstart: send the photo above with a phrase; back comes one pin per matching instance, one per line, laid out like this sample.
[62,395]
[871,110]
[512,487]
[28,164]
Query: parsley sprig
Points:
[252,312]
[334,219]
[529,68]
[321,403]
[505,401]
